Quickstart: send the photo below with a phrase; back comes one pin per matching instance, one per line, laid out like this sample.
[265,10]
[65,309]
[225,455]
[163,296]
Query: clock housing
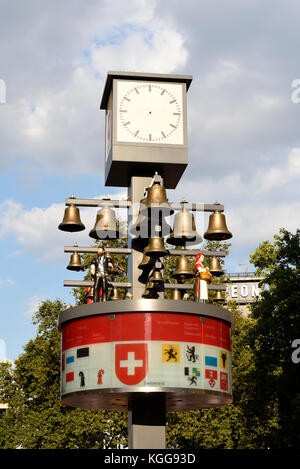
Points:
[146,127]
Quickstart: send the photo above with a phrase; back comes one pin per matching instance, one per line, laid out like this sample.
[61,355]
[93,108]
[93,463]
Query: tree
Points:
[275,325]
[35,419]
[222,427]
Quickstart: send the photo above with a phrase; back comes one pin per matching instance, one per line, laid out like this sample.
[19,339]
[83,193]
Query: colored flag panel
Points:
[70,376]
[171,353]
[70,359]
[224,381]
[211,361]
[83,352]
[211,374]
[131,362]
[196,372]
[223,359]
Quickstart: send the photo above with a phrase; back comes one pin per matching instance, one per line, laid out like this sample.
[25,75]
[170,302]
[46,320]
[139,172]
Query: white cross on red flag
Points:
[131,362]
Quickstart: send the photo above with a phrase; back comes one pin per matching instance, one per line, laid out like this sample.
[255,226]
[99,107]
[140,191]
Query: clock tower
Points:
[146,127]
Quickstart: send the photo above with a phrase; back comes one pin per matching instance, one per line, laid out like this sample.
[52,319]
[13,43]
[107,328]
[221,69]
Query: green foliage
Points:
[276,323]
[221,427]
[35,419]
[264,257]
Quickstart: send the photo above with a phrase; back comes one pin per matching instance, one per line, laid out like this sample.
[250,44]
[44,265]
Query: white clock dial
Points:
[150,113]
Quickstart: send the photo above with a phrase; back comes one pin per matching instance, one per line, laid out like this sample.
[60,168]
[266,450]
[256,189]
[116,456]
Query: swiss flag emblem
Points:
[131,362]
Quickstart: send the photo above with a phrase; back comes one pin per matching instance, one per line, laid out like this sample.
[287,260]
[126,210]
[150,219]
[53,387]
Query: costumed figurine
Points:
[101,267]
[203,276]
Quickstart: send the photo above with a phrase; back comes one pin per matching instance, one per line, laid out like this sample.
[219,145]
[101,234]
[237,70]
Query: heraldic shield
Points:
[131,362]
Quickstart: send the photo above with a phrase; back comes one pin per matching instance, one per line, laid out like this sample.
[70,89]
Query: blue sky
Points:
[243,126]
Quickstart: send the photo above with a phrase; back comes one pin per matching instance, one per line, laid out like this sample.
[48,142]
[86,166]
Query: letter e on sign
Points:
[234,291]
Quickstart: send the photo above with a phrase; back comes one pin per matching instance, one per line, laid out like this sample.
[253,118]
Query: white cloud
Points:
[225,71]
[32,305]
[36,230]
[277,176]
[54,117]
[161,51]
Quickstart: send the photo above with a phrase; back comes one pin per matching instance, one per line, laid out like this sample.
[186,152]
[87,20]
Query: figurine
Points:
[202,277]
[101,267]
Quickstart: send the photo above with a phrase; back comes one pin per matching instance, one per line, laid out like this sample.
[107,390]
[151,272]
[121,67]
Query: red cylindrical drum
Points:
[112,349]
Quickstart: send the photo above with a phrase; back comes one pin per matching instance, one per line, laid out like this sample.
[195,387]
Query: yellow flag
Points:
[223,359]
[171,353]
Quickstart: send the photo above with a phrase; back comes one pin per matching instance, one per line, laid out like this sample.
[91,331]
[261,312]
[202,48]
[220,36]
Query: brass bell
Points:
[150,291]
[176,294]
[215,267]
[106,225]
[116,294]
[156,277]
[150,285]
[217,228]
[146,261]
[90,293]
[183,269]
[75,262]
[71,221]
[184,230]
[157,199]
[156,247]
[219,297]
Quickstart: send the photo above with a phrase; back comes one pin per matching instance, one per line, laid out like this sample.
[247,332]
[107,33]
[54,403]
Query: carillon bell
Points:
[146,260]
[105,226]
[176,294]
[156,278]
[184,230]
[156,247]
[215,267]
[217,228]
[116,294]
[183,269]
[90,293]
[219,297]
[75,262]
[71,221]
[157,199]
[150,291]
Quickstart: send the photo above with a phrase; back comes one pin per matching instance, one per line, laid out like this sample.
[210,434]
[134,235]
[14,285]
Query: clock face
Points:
[149,112]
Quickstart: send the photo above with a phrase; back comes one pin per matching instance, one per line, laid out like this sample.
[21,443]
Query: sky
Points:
[243,125]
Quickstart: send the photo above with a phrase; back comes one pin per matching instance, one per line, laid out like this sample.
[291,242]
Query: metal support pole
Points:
[147,421]
[136,193]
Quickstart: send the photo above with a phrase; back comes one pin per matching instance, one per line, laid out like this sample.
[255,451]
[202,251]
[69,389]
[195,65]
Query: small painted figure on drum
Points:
[203,276]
